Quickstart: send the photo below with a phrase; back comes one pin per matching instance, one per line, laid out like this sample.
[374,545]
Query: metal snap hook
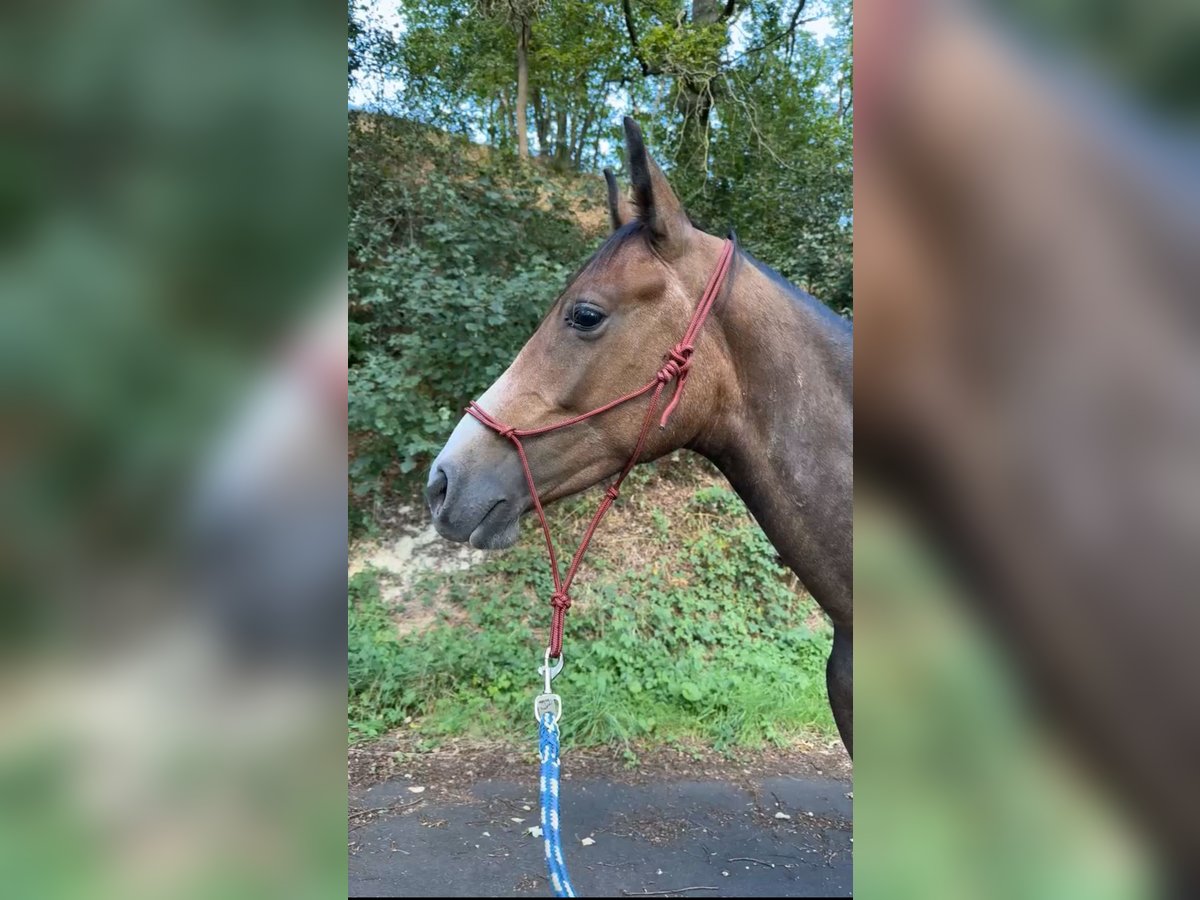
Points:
[548,701]
[550,671]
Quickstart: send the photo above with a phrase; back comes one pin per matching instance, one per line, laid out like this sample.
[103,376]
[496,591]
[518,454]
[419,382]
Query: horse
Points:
[768,400]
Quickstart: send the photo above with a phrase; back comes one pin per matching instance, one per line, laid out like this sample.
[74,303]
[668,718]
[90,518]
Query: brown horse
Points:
[768,400]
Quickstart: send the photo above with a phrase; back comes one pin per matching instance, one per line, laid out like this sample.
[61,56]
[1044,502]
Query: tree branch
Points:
[633,41]
[795,22]
[796,17]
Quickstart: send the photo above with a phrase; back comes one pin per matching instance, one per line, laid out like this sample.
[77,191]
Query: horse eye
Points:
[585,317]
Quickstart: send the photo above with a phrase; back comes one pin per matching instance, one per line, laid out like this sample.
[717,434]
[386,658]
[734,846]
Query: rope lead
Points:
[560,883]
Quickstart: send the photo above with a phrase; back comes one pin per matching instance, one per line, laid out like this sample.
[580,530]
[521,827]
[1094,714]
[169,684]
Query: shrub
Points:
[454,255]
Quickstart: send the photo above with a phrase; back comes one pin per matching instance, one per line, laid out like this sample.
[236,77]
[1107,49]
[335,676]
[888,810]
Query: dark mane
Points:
[632,230]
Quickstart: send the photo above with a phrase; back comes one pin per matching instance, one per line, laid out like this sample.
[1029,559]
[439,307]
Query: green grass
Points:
[708,641]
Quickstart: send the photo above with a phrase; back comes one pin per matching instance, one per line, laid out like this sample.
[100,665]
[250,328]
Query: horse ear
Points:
[619,209]
[656,205]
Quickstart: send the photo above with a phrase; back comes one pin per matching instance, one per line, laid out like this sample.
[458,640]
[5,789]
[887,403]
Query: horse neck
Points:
[782,429]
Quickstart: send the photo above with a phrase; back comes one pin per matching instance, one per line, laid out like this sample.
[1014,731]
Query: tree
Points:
[579,59]
[519,16]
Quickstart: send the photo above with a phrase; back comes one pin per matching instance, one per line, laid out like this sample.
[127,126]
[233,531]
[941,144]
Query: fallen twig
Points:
[761,862]
[675,891]
[360,813]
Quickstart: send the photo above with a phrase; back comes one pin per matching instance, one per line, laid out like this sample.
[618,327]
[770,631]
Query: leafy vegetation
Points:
[711,640]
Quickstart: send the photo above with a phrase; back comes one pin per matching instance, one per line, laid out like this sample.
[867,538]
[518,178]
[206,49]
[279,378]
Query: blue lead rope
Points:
[548,746]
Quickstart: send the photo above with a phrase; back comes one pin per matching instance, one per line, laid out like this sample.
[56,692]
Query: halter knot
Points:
[679,360]
[612,493]
[560,600]
[506,432]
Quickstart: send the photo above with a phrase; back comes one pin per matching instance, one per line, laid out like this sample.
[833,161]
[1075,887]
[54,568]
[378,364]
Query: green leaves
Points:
[693,51]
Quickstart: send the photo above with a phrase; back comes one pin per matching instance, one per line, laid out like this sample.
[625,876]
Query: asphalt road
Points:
[662,836]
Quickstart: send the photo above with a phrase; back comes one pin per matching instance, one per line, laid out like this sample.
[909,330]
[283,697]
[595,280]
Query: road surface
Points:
[666,835]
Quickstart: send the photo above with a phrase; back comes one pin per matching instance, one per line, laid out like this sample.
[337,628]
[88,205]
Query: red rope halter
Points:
[677,363]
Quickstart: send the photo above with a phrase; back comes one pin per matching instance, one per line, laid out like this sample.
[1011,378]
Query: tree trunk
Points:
[581,139]
[560,137]
[695,100]
[541,123]
[505,117]
[705,12]
[522,89]
[695,103]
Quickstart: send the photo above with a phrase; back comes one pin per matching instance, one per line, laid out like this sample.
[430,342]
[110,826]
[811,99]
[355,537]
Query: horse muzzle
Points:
[476,492]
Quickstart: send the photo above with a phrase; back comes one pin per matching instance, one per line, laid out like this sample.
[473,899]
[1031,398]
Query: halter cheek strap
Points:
[676,365]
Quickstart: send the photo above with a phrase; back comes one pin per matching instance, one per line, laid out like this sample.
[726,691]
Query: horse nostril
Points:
[435,491]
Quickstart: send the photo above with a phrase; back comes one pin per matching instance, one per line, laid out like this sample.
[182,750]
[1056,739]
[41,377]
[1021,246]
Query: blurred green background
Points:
[172,202]
[960,789]
[172,211]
